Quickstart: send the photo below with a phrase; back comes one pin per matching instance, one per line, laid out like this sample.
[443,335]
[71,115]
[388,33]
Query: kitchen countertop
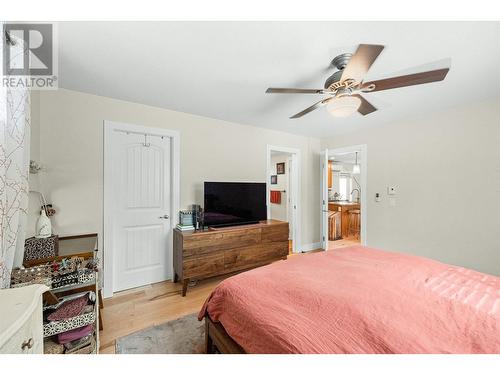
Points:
[344,203]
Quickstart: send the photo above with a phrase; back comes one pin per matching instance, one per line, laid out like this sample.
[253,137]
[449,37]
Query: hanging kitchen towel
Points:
[276,196]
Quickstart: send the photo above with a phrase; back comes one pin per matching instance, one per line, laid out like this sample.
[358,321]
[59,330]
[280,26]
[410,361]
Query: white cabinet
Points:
[21,329]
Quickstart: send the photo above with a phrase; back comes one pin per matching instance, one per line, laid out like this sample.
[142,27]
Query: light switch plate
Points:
[377,197]
[391,190]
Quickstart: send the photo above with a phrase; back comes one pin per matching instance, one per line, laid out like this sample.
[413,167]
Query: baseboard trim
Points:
[310,246]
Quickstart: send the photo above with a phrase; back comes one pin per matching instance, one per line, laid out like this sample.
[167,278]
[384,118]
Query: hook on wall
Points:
[146,144]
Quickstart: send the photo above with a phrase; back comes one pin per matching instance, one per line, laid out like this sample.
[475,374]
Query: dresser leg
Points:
[185,283]
[176,278]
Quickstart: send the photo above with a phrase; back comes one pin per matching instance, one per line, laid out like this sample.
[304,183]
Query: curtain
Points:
[14,172]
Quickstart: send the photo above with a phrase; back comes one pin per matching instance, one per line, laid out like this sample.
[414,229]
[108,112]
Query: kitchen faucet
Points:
[359,192]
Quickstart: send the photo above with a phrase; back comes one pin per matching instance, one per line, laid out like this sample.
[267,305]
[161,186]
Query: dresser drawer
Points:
[236,259]
[15,344]
[275,233]
[28,339]
[218,241]
[204,265]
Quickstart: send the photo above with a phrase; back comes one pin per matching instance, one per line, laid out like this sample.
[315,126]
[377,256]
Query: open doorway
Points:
[283,190]
[343,189]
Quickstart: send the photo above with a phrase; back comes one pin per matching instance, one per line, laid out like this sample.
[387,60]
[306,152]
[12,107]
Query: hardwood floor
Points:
[132,310]
[345,242]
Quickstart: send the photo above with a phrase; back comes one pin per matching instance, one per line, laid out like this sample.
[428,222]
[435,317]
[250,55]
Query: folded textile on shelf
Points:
[51,347]
[78,344]
[74,334]
[69,309]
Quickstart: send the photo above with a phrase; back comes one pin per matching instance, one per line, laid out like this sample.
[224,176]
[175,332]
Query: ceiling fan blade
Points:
[366,107]
[272,90]
[408,80]
[361,61]
[319,104]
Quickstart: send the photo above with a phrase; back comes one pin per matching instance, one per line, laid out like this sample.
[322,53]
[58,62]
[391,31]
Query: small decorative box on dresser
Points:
[21,329]
[213,252]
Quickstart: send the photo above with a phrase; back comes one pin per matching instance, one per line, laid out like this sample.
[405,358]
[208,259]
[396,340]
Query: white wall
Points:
[446,168]
[279,211]
[71,148]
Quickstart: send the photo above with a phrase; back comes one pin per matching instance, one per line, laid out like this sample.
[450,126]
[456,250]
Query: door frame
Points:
[109,127]
[296,193]
[363,149]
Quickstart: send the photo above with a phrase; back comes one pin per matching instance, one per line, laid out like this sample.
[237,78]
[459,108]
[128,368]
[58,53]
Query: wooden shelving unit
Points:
[78,288]
[55,294]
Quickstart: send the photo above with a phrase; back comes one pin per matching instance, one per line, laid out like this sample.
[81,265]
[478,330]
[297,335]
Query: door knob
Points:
[164,217]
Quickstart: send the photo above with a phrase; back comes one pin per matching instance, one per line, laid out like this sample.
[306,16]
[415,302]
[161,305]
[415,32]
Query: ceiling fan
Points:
[345,86]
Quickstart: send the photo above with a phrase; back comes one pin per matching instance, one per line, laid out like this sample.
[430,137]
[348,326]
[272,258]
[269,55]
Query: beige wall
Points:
[71,148]
[446,168]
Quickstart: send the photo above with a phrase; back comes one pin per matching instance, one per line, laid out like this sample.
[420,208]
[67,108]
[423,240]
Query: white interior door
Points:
[141,173]
[324,199]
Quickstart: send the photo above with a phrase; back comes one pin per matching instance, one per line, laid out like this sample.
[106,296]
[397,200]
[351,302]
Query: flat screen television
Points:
[234,203]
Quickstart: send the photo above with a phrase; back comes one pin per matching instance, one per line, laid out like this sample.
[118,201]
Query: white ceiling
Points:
[222,69]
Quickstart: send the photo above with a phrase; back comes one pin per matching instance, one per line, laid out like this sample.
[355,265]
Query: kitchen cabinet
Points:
[344,208]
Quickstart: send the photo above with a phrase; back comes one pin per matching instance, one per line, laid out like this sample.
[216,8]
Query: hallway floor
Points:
[344,242]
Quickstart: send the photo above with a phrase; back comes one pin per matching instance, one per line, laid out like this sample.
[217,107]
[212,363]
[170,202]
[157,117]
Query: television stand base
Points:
[200,255]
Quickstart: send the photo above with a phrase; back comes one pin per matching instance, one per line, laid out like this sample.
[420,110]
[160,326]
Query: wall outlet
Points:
[377,197]
[391,190]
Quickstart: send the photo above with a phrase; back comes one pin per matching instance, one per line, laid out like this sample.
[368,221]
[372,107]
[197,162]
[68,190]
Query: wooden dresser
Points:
[21,329]
[212,252]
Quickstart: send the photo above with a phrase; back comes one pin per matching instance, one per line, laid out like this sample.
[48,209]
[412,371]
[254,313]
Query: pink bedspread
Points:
[359,300]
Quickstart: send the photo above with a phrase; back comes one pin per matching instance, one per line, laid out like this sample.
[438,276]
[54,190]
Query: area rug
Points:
[185,335]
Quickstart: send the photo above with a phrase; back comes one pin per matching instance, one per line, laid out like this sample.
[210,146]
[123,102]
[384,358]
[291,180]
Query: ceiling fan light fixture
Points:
[343,106]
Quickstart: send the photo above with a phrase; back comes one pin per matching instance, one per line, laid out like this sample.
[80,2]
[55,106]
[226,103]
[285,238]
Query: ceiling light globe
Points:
[343,106]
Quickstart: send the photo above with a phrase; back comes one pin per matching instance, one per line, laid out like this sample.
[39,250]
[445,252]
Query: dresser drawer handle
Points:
[28,344]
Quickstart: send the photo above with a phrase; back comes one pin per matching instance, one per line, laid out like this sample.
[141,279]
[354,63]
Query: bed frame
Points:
[218,341]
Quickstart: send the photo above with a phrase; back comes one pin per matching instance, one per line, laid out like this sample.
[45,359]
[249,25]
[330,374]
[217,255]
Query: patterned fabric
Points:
[14,171]
[50,347]
[69,309]
[39,248]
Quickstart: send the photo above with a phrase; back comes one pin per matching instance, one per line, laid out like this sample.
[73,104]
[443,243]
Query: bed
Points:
[354,300]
